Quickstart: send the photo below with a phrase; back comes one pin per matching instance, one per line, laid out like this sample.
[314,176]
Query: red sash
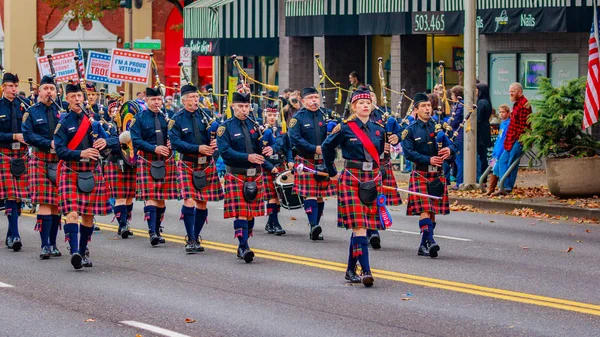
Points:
[81,132]
[365,140]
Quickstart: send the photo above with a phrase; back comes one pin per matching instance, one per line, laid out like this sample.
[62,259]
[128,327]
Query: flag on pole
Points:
[592,95]
[80,63]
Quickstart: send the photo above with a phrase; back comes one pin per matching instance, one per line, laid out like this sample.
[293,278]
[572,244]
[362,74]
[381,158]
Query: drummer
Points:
[280,161]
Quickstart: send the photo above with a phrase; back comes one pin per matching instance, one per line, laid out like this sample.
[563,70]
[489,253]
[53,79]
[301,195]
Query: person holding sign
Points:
[362,142]
[156,171]
[191,136]
[238,140]
[81,184]
[38,130]
[13,158]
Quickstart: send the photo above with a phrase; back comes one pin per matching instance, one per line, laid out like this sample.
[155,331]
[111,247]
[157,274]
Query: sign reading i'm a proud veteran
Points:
[98,67]
[129,66]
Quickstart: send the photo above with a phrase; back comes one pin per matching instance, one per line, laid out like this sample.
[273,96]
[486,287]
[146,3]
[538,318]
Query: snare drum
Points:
[284,184]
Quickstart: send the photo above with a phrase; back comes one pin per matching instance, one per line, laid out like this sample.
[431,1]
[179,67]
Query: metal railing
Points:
[513,166]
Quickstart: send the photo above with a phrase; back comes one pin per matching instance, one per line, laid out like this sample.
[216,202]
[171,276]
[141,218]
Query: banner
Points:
[64,66]
[129,66]
[98,67]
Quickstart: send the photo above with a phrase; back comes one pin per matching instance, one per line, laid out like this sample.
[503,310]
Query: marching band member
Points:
[39,124]
[307,130]
[156,170]
[13,159]
[81,185]
[419,145]
[197,174]
[275,164]
[239,144]
[362,142]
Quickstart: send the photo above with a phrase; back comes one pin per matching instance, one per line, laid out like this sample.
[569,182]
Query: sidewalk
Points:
[530,198]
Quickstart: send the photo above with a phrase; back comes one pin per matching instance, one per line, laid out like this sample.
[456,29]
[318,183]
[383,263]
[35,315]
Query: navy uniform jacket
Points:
[232,145]
[181,132]
[282,149]
[419,143]
[143,134]
[352,147]
[6,133]
[303,131]
[66,130]
[36,126]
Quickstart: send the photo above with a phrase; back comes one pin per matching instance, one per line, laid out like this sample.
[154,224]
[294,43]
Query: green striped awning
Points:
[305,7]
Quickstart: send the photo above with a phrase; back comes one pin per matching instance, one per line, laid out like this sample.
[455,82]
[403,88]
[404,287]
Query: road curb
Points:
[506,206]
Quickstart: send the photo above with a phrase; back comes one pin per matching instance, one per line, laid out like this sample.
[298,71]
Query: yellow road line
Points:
[472,289]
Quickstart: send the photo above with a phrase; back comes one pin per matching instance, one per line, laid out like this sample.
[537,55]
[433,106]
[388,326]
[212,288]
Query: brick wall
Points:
[343,54]
[409,55]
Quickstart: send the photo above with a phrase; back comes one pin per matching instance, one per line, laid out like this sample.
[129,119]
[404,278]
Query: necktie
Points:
[365,129]
[51,122]
[247,138]
[160,140]
[13,113]
[317,128]
[196,129]
[85,142]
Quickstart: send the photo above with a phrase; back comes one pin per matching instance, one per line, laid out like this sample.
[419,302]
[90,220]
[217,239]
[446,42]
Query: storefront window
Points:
[532,67]
[503,72]
[563,68]
[447,48]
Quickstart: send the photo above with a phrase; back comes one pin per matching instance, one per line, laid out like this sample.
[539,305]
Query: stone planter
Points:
[573,177]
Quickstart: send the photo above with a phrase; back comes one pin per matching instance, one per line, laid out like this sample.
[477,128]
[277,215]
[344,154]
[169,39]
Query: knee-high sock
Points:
[54,229]
[312,211]
[129,210]
[121,215]
[273,212]
[150,217]
[44,222]
[160,216]
[321,208]
[72,235]
[361,251]
[425,226]
[201,215]
[85,235]
[188,214]
[351,258]
[12,213]
[241,232]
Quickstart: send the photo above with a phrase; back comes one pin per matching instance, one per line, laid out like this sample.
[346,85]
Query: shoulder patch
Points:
[25,116]
[293,122]
[336,129]
[171,123]
[221,130]
[57,128]
[404,133]
[380,124]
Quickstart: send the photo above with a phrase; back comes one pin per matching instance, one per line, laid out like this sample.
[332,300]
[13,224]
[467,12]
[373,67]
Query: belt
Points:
[361,165]
[195,160]
[427,168]
[11,145]
[307,155]
[35,148]
[249,172]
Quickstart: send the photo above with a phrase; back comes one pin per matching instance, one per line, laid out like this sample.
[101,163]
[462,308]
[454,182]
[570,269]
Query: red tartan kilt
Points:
[11,187]
[352,213]
[418,183]
[307,186]
[235,205]
[393,197]
[71,200]
[269,183]
[211,192]
[121,184]
[150,189]
[43,191]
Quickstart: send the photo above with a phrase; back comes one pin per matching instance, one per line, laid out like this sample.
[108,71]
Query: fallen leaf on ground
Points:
[292,218]
[89,320]
[588,231]
[190,320]
[405,299]
[138,335]
[525,247]
[569,250]
[579,241]
[492,221]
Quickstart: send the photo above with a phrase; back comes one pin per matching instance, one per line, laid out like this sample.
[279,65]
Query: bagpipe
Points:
[391,122]
[334,119]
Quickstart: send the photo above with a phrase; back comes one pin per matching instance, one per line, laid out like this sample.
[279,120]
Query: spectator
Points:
[519,123]
[293,106]
[355,82]
[286,96]
[499,149]
[494,120]
[140,100]
[457,93]
[484,140]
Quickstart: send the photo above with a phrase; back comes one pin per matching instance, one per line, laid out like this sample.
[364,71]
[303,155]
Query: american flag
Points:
[592,99]
[80,55]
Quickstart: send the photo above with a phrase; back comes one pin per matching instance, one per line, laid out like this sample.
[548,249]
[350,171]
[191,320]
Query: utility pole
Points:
[470,126]
[128,5]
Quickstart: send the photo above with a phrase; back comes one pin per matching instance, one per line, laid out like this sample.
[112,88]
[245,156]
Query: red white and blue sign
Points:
[129,66]
[98,67]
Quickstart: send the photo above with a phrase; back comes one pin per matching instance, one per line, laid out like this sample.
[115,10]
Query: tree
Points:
[94,9]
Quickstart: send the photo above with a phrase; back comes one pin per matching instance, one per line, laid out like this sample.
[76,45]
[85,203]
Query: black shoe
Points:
[270,228]
[9,243]
[247,255]
[315,231]
[87,252]
[423,251]
[375,241]
[96,228]
[54,252]
[76,260]
[190,246]
[198,247]
[123,232]
[433,250]
[17,244]
[278,230]
[352,276]
[86,262]
[45,254]
[367,280]
[154,240]
[160,238]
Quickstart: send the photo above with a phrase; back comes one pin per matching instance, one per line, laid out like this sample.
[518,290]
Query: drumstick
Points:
[301,168]
[390,188]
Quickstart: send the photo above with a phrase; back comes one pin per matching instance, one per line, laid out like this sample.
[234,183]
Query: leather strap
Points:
[365,140]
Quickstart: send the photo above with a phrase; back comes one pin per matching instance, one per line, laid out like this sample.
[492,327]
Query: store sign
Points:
[438,22]
[522,20]
[203,47]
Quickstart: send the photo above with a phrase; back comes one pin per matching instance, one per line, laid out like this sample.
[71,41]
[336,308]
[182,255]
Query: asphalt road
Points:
[496,276]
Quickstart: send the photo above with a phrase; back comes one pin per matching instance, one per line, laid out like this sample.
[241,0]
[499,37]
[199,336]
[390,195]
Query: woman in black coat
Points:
[484,112]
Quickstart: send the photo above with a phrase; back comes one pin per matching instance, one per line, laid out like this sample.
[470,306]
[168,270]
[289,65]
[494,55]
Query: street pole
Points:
[130,14]
[470,127]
